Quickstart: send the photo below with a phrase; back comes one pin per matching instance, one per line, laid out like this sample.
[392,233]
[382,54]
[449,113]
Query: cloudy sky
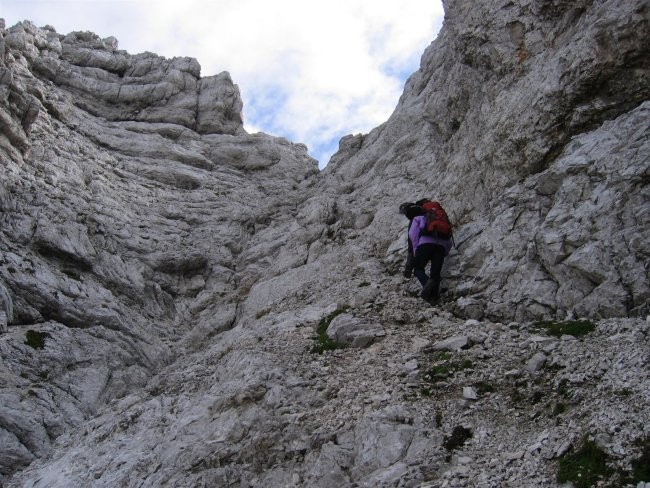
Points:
[308,70]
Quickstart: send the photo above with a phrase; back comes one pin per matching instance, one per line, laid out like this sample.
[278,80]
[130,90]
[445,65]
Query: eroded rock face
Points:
[527,120]
[111,84]
[163,273]
[129,194]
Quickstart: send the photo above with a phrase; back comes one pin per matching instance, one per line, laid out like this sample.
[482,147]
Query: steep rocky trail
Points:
[527,121]
[385,415]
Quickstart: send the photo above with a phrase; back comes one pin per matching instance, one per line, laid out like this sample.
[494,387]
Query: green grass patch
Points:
[438,371]
[36,339]
[563,388]
[482,388]
[641,466]
[625,392]
[442,356]
[536,397]
[466,364]
[516,396]
[323,342]
[446,369]
[585,467]
[575,328]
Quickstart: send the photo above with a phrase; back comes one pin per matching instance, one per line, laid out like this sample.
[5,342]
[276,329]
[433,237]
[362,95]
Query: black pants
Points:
[424,254]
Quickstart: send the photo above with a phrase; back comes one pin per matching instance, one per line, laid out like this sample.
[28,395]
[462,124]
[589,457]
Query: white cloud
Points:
[311,71]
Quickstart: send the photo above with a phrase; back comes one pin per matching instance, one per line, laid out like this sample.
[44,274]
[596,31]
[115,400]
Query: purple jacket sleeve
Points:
[414,231]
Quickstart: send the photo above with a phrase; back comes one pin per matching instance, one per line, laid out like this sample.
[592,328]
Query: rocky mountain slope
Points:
[166,277]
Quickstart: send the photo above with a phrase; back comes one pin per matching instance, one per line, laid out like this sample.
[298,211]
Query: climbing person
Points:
[431,236]
[411,210]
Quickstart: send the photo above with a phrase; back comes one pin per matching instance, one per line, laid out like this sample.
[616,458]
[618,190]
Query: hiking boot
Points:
[429,290]
[425,294]
[433,301]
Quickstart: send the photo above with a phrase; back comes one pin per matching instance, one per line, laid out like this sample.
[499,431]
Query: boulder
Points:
[347,330]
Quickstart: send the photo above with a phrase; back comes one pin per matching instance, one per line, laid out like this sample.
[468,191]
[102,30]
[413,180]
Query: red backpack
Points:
[438,224]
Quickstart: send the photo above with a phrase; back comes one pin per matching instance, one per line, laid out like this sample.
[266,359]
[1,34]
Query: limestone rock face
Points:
[164,274]
[129,195]
[527,121]
[111,84]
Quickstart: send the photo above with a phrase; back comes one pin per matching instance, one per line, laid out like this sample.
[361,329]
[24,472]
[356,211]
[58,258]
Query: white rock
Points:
[536,363]
[472,323]
[469,393]
[453,344]
[348,330]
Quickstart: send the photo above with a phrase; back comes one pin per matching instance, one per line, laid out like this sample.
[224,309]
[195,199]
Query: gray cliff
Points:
[164,275]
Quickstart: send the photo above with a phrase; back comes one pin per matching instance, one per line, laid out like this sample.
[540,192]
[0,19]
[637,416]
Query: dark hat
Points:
[404,206]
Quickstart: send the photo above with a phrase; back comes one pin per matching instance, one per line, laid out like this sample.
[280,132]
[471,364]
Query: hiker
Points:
[431,237]
[411,210]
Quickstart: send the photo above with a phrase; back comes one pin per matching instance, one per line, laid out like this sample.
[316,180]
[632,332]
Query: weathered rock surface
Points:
[120,233]
[527,120]
[163,273]
[348,330]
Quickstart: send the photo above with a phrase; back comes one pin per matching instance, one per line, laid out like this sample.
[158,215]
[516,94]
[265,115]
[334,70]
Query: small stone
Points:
[469,393]
[463,460]
[411,365]
[453,344]
[419,344]
[563,449]
[512,456]
[537,339]
[536,363]
[478,337]
[535,447]
[548,455]
[348,330]
[549,348]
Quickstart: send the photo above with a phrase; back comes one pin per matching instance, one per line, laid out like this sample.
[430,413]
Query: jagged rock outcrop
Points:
[163,274]
[113,85]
